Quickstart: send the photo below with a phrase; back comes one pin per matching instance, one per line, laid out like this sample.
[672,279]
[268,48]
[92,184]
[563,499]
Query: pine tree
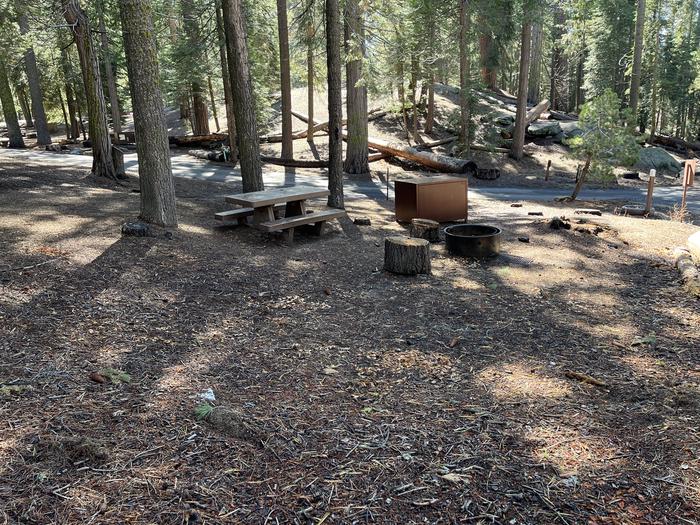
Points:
[155,177]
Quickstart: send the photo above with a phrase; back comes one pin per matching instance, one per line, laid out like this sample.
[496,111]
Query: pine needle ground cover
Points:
[557,384]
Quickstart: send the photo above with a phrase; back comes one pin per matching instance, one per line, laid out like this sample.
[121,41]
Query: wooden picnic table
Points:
[265,206]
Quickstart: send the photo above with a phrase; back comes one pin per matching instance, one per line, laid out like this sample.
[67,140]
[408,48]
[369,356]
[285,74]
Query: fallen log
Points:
[676,143]
[428,159]
[294,163]
[198,140]
[558,115]
[535,112]
[683,261]
[215,155]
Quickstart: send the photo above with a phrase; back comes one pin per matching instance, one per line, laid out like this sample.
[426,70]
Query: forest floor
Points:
[356,396]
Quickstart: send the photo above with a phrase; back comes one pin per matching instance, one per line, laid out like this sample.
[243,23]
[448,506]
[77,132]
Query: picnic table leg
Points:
[318,228]
[288,235]
[295,208]
[263,214]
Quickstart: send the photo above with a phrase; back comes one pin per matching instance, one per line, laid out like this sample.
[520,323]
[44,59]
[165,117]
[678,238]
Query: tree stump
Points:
[425,229]
[406,255]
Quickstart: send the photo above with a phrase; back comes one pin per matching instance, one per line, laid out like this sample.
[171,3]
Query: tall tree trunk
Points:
[464,75]
[70,96]
[556,65]
[155,176]
[24,106]
[200,114]
[334,43]
[243,99]
[413,86]
[533,90]
[579,84]
[212,100]
[65,113]
[655,73]
[356,154]
[8,109]
[310,33]
[487,51]
[285,81]
[637,59]
[520,124]
[109,72]
[430,116]
[43,136]
[102,165]
[228,97]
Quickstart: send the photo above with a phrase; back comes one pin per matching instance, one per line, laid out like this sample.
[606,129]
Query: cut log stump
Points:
[425,229]
[406,255]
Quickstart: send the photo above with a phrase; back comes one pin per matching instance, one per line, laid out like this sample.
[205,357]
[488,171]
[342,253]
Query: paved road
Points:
[186,166]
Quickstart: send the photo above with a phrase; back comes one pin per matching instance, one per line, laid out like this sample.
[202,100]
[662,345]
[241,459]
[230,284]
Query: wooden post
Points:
[546,173]
[650,192]
[688,179]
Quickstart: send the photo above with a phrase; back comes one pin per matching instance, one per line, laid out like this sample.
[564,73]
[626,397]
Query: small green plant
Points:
[607,139]
[203,411]
[116,376]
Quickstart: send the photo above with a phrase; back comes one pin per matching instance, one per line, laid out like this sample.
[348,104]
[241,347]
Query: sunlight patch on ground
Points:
[425,364]
[571,452]
[516,382]
[644,366]
[191,228]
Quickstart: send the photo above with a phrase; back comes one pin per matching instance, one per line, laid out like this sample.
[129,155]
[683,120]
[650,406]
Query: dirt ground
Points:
[351,395]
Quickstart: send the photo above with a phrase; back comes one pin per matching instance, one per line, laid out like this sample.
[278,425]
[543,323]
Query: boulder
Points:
[571,129]
[657,159]
[544,128]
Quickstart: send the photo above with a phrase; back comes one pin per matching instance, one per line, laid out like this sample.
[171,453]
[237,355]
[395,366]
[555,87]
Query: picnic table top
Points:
[258,199]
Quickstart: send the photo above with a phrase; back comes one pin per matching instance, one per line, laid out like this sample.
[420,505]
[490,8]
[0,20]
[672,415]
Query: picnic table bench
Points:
[265,208]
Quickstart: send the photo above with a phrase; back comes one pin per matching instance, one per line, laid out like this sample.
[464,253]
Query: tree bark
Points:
[8,109]
[24,106]
[489,73]
[200,114]
[521,114]
[637,58]
[285,80]
[464,75]
[212,100]
[356,154]
[533,90]
[155,178]
[109,73]
[335,109]
[102,165]
[65,113]
[243,99]
[70,96]
[406,256]
[43,137]
[228,97]
[310,33]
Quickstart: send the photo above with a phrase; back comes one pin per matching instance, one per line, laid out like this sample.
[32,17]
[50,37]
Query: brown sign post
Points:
[688,178]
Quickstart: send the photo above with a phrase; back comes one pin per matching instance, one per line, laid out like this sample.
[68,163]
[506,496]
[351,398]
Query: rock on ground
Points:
[658,159]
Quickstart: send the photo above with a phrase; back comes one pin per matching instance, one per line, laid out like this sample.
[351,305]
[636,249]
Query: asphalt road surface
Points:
[185,166]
